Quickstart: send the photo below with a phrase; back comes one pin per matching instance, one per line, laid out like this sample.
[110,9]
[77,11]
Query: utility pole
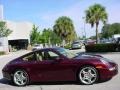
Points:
[1,11]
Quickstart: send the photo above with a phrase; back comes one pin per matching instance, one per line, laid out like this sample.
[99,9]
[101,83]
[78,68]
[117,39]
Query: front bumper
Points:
[6,75]
[108,73]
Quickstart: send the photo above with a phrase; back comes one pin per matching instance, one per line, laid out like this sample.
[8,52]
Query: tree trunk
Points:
[97,33]
[63,43]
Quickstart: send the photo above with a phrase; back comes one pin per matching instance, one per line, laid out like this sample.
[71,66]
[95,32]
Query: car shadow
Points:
[4,81]
[7,82]
[56,83]
[66,83]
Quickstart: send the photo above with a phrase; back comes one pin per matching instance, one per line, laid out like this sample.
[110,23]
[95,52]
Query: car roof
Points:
[52,48]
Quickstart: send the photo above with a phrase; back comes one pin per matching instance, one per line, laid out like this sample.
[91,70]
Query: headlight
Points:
[111,69]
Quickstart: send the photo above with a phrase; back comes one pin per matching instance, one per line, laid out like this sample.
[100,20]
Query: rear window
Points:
[76,42]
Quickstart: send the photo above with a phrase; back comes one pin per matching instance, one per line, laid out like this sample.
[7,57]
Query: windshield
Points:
[76,43]
[36,45]
[66,52]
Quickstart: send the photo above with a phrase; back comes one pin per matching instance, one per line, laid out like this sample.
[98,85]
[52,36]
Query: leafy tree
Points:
[55,39]
[46,35]
[110,29]
[115,28]
[64,28]
[35,35]
[4,31]
[94,37]
[106,31]
[49,37]
[94,15]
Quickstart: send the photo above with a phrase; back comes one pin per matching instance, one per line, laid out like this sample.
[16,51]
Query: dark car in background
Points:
[89,42]
[59,64]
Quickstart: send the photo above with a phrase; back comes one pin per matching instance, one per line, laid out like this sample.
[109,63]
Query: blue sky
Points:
[44,12]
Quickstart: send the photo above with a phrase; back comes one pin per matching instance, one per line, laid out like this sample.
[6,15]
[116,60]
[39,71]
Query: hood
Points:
[86,56]
[14,61]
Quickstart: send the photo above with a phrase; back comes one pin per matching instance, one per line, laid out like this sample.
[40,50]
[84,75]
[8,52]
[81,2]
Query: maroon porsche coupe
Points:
[59,64]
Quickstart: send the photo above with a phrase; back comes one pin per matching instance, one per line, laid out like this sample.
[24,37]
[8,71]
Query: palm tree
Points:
[94,15]
[64,28]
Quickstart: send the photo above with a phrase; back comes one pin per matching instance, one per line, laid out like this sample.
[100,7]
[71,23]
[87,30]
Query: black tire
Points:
[87,75]
[20,78]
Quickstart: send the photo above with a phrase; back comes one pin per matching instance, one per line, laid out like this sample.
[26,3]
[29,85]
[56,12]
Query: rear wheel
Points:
[20,78]
[88,75]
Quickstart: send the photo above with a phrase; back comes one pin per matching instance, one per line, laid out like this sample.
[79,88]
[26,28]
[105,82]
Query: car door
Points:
[53,67]
[31,66]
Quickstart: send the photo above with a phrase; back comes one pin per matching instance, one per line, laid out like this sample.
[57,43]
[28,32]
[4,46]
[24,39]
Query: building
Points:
[19,38]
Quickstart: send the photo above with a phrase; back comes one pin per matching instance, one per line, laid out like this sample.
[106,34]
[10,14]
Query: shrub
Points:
[2,52]
[68,46]
[101,48]
[119,47]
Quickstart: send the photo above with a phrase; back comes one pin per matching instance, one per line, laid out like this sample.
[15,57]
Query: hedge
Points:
[102,48]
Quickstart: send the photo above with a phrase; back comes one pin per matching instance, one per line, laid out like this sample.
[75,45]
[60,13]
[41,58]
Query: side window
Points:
[30,57]
[50,55]
[46,55]
[39,56]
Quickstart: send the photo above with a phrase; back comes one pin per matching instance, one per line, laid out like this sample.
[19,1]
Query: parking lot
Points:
[113,84]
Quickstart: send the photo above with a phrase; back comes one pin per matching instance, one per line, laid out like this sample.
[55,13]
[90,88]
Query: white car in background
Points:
[37,47]
[76,45]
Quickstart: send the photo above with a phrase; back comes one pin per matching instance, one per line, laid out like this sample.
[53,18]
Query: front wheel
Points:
[88,75]
[20,78]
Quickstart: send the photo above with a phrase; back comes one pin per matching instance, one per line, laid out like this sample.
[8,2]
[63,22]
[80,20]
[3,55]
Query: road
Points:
[113,84]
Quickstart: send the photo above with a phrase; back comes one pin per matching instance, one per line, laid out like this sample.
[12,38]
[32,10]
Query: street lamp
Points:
[84,26]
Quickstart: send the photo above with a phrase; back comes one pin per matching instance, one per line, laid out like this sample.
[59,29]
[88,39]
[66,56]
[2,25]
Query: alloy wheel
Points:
[88,75]
[20,78]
